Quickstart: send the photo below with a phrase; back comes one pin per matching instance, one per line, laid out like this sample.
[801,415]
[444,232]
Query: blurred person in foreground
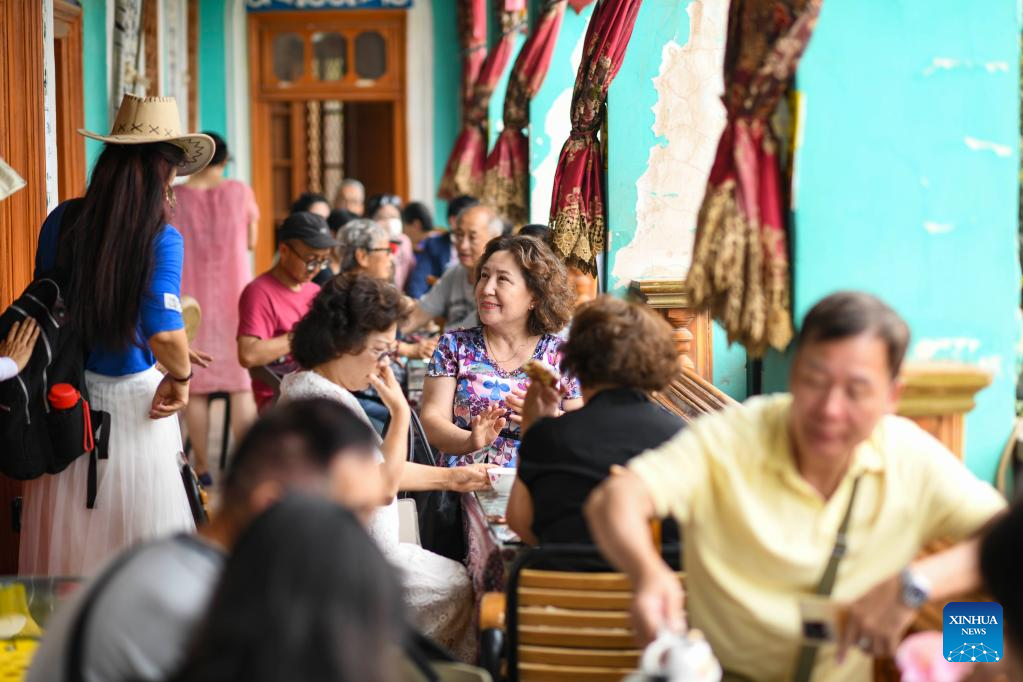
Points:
[761,491]
[137,615]
[305,595]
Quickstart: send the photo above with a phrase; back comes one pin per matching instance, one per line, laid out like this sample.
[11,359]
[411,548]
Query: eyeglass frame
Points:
[311,266]
[392,248]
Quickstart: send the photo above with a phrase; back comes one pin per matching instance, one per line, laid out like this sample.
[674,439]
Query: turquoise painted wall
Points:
[631,99]
[549,122]
[94,74]
[630,117]
[907,182]
[447,76]
[213,66]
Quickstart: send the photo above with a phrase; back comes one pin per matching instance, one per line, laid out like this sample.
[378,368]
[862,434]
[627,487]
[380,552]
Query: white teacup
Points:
[501,479]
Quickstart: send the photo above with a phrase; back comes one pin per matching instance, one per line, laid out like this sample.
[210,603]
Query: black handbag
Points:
[194,491]
[441,529]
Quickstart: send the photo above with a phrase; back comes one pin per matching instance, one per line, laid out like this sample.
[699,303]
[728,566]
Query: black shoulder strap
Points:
[808,652]
[74,663]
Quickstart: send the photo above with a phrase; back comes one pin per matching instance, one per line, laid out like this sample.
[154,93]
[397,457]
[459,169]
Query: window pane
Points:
[289,57]
[329,56]
[370,55]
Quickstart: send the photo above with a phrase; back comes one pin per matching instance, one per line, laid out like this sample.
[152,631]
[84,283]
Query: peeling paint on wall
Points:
[938,228]
[986,145]
[947,348]
[949,64]
[688,120]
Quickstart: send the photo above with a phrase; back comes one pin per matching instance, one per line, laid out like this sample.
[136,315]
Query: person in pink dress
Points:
[218,219]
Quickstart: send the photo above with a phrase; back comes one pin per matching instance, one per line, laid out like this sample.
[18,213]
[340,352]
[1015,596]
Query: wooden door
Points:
[67,52]
[22,146]
[328,102]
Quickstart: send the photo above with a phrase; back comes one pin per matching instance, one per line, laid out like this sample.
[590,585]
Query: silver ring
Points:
[864,643]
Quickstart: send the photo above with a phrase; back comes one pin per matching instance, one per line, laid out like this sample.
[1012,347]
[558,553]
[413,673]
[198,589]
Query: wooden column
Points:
[690,394]
[939,395]
[693,331]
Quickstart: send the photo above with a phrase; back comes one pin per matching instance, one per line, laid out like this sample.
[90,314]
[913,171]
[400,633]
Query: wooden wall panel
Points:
[70,101]
[22,146]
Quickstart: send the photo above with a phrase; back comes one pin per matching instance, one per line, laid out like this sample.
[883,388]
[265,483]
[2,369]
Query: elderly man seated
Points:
[453,296]
[770,491]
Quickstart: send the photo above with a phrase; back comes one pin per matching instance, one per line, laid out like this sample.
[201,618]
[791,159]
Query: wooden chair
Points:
[561,625]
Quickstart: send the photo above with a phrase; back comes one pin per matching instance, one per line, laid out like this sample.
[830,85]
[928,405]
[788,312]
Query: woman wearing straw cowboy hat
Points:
[124,298]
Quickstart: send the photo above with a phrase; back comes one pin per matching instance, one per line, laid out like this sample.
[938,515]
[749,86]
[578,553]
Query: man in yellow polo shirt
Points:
[762,490]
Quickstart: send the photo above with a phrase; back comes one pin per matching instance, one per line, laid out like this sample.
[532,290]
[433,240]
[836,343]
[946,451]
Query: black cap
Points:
[309,228]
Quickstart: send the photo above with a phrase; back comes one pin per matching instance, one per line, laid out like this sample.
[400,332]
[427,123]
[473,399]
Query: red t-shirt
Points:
[267,309]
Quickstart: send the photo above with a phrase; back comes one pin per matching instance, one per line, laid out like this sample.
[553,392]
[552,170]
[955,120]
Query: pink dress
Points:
[215,225]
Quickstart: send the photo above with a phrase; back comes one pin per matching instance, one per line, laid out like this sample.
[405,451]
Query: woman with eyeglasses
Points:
[365,248]
[346,344]
[274,302]
[385,210]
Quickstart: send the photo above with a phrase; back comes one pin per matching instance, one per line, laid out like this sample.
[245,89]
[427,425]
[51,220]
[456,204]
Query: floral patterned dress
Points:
[481,384]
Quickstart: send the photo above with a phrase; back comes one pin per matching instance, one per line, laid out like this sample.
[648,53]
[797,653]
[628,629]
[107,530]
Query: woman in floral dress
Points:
[524,299]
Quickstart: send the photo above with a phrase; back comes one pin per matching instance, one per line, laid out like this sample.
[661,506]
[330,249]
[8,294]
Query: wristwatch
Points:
[915,590]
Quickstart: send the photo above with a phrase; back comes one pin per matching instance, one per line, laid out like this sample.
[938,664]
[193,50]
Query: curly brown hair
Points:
[619,343]
[546,279]
[346,311]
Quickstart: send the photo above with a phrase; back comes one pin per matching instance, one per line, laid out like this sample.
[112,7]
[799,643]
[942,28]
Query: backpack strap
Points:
[100,450]
[74,660]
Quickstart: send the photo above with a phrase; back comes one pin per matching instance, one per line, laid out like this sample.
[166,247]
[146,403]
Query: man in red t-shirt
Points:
[274,302]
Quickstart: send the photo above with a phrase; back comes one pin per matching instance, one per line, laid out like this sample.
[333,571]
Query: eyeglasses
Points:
[312,263]
[388,356]
[316,264]
[392,247]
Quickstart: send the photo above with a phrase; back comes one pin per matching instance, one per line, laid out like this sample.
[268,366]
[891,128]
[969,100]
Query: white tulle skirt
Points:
[139,493]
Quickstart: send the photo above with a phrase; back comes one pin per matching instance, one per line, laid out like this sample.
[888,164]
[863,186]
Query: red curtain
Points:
[472,36]
[465,169]
[740,264]
[577,207]
[507,168]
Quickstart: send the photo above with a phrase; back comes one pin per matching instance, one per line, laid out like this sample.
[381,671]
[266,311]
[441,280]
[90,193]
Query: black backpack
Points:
[36,439]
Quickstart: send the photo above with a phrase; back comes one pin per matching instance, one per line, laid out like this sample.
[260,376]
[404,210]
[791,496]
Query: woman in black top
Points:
[619,351]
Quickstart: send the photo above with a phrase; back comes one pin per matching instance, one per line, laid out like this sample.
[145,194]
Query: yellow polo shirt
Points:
[758,536]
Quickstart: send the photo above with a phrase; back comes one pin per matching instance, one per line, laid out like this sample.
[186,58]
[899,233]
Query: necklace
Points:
[490,350]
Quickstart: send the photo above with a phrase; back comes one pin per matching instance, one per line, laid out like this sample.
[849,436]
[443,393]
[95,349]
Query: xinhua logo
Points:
[972,631]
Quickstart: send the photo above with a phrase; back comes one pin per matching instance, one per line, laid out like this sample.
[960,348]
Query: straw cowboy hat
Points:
[141,120]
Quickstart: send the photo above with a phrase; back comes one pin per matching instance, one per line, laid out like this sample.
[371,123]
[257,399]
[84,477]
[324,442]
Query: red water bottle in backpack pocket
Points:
[69,422]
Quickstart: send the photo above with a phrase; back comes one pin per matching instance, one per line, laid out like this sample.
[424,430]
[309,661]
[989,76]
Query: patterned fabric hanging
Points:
[507,167]
[578,211]
[464,171]
[740,267]
[126,67]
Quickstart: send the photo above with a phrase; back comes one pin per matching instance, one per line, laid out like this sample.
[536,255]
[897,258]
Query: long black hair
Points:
[305,595]
[125,208]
